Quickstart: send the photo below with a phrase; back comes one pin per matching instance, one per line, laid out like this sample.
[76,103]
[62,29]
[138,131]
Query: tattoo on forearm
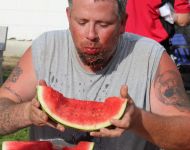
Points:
[15,74]
[170,90]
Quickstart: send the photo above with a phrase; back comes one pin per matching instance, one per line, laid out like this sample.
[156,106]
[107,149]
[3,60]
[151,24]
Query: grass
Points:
[8,65]
[21,135]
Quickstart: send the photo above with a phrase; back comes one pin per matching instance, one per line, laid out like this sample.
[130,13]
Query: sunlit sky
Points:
[26,19]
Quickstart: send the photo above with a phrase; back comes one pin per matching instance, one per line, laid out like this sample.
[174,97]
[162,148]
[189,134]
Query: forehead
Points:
[95,1]
[84,4]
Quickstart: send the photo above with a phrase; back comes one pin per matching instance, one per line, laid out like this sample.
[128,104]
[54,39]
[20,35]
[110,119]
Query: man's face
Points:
[95,29]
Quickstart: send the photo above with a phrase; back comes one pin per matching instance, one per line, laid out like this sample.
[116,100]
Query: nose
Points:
[92,34]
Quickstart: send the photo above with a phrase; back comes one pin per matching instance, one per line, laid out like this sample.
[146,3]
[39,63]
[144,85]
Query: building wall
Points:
[27,19]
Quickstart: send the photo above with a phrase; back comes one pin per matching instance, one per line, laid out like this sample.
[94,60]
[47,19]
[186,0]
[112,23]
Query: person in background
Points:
[95,59]
[144,18]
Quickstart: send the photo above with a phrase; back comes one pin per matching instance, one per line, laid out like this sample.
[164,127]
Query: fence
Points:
[3,39]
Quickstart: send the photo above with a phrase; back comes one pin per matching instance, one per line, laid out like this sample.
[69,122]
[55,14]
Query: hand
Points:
[39,117]
[120,125]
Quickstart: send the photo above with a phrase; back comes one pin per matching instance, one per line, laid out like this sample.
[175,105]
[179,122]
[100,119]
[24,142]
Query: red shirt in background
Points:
[143,18]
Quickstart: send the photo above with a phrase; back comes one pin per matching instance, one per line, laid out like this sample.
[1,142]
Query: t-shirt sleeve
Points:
[38,48]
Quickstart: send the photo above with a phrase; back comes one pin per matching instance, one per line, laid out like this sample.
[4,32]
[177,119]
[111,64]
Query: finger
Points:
[124,123]
[124,91]
[42,82]
[127,120]
[35,103]
[124,94]
[112,133]
[51,123]
[55,125]
[60,127]
[38,117]
[108,133]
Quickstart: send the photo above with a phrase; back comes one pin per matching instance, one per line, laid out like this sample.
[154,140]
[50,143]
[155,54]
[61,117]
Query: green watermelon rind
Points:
[4,145]
[76,126]
[91,146]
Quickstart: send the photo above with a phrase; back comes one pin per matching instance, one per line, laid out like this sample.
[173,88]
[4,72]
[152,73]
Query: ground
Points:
[8,64]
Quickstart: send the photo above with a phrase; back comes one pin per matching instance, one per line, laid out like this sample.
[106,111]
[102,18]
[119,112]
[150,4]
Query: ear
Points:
[68,11]
[123,24]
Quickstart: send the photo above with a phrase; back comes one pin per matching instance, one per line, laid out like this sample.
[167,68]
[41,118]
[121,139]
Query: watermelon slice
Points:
[80,114]
[27,145]
[43,145]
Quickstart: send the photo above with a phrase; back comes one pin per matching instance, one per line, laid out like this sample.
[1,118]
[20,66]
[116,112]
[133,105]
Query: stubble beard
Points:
[98,60]
[92,60]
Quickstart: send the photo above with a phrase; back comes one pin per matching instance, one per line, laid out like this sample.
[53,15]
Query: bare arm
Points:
[18,106]
[16,95]
[167,125]
[12,117]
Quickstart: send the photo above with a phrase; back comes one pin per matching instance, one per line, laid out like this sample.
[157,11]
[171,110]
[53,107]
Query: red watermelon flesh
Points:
[43,145]
[81,114]
[27,145]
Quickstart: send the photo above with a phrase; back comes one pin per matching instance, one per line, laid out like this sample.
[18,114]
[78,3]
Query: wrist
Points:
[27,110]
[136,118]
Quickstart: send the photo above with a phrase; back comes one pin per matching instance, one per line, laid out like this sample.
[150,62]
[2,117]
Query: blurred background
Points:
[27,19]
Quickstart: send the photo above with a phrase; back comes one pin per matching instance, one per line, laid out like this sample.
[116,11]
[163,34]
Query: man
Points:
[144,18]
[93,60]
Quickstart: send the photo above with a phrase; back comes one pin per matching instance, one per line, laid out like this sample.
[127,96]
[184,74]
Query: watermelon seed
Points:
[106,86]
[52,79]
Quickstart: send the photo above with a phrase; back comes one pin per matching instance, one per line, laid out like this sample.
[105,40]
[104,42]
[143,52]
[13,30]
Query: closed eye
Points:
[104,24]
[82,22]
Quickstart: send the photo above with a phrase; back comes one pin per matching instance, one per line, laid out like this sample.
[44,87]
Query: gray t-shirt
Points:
[134,64]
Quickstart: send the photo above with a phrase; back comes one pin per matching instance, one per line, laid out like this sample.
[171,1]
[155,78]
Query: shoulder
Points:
[145,50]
[49,39]
[52,34]
[141,42]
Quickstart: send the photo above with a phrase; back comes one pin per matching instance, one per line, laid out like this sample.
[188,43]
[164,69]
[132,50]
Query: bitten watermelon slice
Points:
[43,145]
[81,114]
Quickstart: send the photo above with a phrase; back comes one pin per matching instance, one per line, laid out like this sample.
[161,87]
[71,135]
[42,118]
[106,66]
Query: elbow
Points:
[185,147]
[183,24]
[182,19]
[179,144]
